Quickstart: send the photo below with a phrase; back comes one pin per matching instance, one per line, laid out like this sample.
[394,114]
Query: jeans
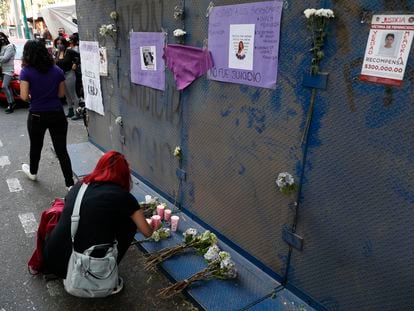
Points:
[6,88]
[56,123]
[70,89]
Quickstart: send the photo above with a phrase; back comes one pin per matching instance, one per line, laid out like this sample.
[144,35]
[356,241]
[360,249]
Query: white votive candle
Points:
[174,222]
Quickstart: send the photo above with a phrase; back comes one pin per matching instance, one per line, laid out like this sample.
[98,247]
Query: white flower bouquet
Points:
[191,240]
[219,266]
[317,20]
[286,183]
[108,30]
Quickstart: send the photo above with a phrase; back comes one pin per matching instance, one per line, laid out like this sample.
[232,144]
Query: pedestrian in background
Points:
[43,82]
[68,59]
[7,53]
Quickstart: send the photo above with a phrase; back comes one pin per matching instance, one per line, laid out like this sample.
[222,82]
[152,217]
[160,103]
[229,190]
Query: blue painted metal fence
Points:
[357,194]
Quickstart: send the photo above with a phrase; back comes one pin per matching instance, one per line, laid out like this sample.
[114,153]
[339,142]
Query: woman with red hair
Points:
[108,212]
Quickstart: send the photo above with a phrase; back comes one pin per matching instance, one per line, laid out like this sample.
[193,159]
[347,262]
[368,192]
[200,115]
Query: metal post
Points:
[26,26]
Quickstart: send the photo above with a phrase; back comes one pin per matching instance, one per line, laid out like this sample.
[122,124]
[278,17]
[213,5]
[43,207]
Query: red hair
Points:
[111,167]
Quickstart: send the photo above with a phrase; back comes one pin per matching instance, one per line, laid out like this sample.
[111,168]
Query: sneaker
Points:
[26,170]
[119,287]
[9,109]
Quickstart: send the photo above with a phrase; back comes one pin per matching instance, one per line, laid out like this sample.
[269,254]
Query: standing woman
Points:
[7,53]
[68,59]
[45,82]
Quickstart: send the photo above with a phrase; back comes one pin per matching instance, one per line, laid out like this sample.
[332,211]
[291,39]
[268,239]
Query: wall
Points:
[357,197]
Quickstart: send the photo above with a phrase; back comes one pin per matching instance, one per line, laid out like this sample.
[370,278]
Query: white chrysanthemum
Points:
[212,253]
[114,15]
[329,13]
[155,236]
[150,199]
[309,12]
[190,232]
[177,151]
[109,27]
[224,256]
[284,179]
[179,32]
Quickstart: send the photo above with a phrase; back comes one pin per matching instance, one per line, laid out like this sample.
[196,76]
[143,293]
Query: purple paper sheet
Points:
[244,42]
[147,64]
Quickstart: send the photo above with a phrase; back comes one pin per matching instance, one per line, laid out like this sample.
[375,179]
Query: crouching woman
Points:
[108,211]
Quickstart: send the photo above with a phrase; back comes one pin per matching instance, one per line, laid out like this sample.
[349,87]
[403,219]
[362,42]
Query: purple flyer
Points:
[147,63]
[244,42]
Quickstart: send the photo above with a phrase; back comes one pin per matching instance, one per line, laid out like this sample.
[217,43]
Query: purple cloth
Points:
[187,63]
[43,88]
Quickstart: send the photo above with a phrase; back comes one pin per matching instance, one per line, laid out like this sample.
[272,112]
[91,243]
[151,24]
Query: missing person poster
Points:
[147,64]
[387,49]
[244,43]
[90,60]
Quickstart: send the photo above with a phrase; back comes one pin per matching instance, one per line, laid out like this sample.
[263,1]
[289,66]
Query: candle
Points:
[167,214]
[155,221]
[160,210]
[174,222]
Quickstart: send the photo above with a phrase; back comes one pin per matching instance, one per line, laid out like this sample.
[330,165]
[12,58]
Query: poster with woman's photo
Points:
[244,42]
[241,45]
[147,65]
[388,47]
[148,57]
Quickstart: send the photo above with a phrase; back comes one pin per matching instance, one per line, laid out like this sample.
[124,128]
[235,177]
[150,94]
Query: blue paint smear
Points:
[275,102]
[319,111]
[255,96]
[237,122]
[378,115]
[255,118]
[242,169]
[401,189]
[367,248]
[292,113]
[225,113]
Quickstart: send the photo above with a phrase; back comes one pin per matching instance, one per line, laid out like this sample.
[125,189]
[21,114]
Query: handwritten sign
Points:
[387,50]
[147,64]
[90,59]
[244,42]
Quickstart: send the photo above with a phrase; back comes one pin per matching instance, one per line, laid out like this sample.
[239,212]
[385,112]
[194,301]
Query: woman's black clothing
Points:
[70,57]
[56,122]
[104,216]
